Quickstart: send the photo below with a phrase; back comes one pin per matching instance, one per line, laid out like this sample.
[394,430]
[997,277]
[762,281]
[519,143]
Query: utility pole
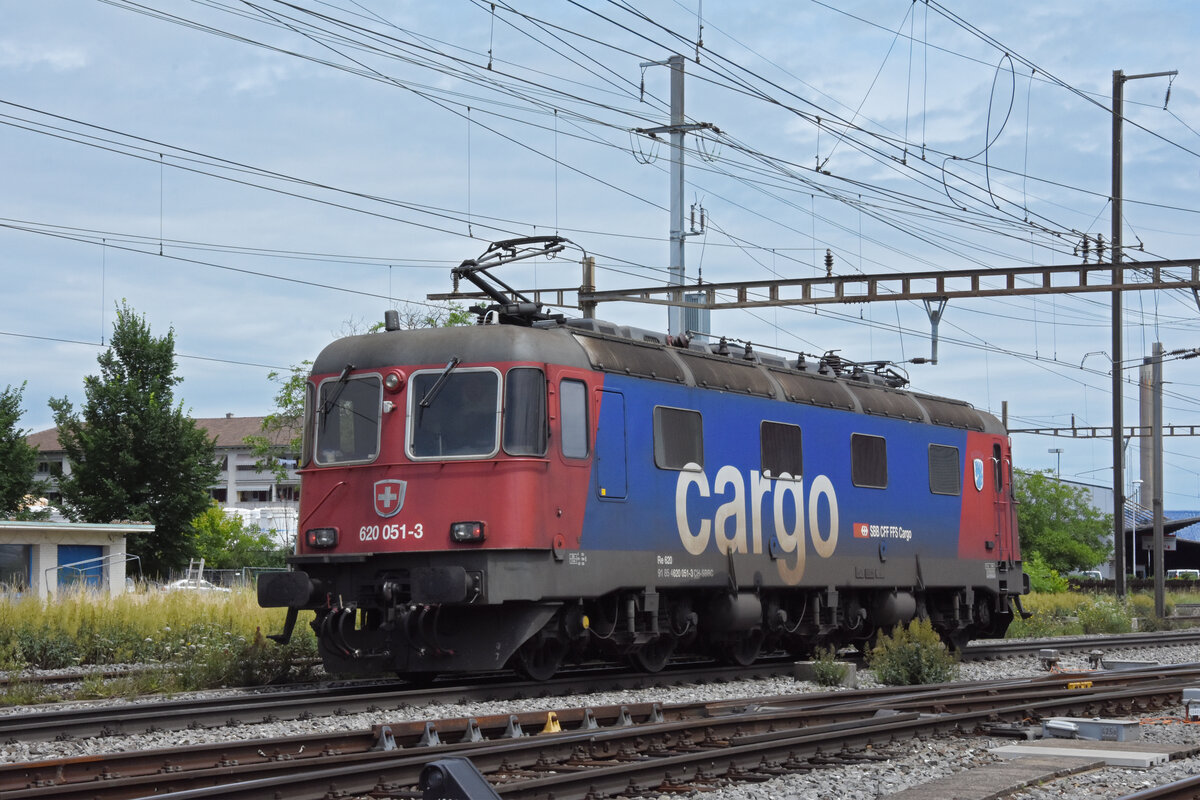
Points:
[677,129]
[675,318]
[588,285]
[1118,406]
[1159,558]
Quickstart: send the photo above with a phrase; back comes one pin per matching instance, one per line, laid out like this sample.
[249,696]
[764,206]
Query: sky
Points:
[261,178]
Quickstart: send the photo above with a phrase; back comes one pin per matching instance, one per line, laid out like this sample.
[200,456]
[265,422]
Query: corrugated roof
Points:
[1192,532]
[227,431]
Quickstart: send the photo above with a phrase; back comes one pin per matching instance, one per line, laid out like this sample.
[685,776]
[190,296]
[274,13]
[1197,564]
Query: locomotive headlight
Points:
[393,381]
[466,532]
[321,537]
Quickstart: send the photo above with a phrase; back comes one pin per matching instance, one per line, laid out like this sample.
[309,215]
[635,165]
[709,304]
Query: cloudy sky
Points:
[262,176]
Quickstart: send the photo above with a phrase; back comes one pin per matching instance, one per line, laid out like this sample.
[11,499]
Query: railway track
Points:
[50,724]
[571,752]
[997,649]
[388,747]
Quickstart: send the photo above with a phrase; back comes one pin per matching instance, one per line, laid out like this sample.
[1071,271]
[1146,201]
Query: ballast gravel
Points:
[909,765]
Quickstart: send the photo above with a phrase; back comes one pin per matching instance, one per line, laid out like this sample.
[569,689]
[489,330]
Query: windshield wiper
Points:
[432,394]
[331,403]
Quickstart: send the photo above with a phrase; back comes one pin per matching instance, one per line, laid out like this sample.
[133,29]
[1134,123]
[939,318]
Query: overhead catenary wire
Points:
[909,213]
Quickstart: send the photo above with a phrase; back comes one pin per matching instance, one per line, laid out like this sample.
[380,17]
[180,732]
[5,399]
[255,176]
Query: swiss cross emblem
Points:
[389,497]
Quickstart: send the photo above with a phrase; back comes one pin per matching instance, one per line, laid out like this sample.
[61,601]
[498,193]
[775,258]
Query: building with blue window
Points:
[44,557]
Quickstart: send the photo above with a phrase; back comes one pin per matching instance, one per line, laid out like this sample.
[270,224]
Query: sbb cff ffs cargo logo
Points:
[389,497]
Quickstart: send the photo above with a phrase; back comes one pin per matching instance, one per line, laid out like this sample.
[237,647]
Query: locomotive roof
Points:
[589,344]
[437,345]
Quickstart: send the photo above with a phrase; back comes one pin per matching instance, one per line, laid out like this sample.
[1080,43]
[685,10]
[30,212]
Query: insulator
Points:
[828,263]
[1099,248]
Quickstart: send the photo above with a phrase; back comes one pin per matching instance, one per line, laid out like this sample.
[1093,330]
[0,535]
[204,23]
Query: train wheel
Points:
[538,659]
[742,652]
[654,654]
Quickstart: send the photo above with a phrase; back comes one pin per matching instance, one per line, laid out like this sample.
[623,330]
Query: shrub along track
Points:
[642,749]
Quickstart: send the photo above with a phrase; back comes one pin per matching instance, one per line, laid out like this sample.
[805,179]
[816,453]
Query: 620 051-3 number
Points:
[393,532]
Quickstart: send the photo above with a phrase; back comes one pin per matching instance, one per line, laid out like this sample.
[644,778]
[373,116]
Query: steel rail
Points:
[979,650]
[1184,789]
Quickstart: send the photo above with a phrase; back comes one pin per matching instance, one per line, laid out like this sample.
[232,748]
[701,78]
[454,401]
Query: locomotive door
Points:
[611,478]
[1002,486]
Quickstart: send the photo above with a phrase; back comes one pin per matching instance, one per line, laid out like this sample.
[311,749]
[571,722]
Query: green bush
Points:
[912,655]
[218,658]
[44,647]
[1043,623]
[1142,606]
[1041,577]
[1104,615]
[827,670]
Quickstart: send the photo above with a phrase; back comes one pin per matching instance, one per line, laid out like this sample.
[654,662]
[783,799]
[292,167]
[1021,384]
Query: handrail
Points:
[98,561]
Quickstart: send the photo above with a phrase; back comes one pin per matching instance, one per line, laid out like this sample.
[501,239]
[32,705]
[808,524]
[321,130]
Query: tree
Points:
[134,454]
[224,541]
[1057,522]
[412,316]
[430,315]
[18,459]
[271,448]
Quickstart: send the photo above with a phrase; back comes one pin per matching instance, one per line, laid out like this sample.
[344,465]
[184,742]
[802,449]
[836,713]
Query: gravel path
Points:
[912,764]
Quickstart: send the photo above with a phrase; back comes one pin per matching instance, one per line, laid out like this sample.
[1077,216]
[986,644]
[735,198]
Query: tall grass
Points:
[196,639]
[1075,613]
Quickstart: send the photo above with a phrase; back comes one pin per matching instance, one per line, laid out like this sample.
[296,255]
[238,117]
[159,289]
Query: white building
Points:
[41,557]
[258,496]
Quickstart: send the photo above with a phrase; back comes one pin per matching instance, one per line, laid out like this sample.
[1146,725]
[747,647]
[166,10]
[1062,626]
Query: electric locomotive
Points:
[532,490]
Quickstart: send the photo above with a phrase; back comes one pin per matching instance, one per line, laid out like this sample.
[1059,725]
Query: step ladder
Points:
[195,570]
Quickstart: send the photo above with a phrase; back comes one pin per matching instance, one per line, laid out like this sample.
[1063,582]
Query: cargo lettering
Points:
[737,523]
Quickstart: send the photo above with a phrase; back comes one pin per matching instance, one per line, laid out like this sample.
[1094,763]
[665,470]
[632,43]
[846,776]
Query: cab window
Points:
[306,441]
[572,401]
[525,412]
[454,413]
[347,420]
